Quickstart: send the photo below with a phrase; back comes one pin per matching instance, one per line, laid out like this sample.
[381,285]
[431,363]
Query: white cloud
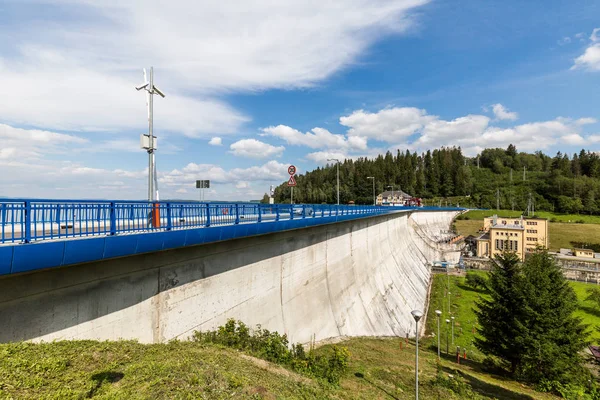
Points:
[573,139]
[502,113]
[460,128]
[563,41]
[321,157]
[590,59]
[594,138]
[216,141]
[595,37]
[586,121]
[316,138]
[242,185]
[390,124]
[79,73]
[255,149]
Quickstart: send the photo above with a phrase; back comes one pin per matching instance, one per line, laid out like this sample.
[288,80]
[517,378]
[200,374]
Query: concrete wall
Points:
[359,277]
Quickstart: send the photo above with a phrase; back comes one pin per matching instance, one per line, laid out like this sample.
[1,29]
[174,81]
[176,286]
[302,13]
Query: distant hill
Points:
[563,183]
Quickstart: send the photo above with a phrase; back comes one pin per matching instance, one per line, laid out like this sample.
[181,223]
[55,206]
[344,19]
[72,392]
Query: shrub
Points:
[476,281]
[553,219]
[580,221]
[275,348]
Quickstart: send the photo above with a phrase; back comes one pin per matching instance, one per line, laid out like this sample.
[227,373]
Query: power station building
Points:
[516,234]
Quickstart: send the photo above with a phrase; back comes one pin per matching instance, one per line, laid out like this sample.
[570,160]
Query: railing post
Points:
[259,213]
[207,215]
[113,218]
[277,212]
[303,211]
[291,211]
[27,218]
[169,221]
[237,213]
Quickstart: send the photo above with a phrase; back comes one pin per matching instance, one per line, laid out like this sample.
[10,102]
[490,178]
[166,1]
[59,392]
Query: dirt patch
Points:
[276,369]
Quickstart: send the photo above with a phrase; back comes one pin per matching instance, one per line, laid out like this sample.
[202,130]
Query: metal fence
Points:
[25,221]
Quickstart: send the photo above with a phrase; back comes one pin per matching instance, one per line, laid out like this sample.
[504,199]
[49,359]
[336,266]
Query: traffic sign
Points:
[292,170]
[292,181]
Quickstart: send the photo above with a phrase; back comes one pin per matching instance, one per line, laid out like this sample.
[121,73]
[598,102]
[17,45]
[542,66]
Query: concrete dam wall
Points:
[355,278]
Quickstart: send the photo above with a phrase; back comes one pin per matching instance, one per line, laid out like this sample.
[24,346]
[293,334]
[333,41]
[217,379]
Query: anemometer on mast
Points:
[148,142]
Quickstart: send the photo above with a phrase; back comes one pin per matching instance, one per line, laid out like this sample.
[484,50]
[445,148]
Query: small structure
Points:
[586,253]
[396,197]
[517,234]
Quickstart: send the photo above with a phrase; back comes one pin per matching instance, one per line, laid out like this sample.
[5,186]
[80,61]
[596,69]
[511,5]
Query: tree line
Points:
[563,183]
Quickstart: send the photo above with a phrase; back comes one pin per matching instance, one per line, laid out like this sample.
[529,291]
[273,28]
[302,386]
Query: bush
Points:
[580,221]
[273,347]
[476,281]
[553,219]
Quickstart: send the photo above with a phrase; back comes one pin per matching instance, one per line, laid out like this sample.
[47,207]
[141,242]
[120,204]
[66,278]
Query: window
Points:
[497,244]
[517,222]
[516,245]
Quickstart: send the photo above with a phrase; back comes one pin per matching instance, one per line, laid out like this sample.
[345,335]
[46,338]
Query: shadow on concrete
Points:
[383,390]
[43,302]
[102,378]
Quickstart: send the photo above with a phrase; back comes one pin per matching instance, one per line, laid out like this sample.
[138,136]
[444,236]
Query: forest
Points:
[505,177]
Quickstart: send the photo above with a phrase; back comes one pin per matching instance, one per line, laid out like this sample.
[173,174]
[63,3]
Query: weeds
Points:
[273,347]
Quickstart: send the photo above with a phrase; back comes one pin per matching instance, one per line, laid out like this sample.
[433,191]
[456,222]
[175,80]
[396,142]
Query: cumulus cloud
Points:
[573,139]
[216,141]
[502,113]
[390,124]
[316,138]
[77,73]
[321,157]
[590,59]
[255,149]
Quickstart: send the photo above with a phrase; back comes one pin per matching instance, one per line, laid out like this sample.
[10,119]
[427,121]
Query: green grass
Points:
[561,234]
[567,218]
[587,310]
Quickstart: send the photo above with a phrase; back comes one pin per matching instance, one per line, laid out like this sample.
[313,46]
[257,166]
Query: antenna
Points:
[149,143]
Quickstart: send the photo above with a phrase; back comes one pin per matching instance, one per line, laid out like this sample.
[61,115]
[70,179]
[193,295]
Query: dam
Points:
[354,277]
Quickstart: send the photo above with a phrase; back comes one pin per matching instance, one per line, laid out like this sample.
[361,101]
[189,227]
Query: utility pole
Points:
[497,199]
[150,145]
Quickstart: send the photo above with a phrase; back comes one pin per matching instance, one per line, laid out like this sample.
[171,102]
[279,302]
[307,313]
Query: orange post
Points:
[156,215]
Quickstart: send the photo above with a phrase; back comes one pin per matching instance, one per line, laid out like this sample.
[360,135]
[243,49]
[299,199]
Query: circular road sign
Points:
[291,170]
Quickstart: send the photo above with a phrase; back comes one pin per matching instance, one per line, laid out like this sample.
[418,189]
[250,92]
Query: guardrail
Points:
[26,221]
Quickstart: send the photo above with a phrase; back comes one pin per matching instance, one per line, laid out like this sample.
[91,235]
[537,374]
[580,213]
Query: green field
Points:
[562,234]
[567,218]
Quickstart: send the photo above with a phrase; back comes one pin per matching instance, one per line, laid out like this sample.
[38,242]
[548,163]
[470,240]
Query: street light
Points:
[438,313]
[447,344]
[417,316]
[338,178]
[373,179]
[392,186]
[452,318]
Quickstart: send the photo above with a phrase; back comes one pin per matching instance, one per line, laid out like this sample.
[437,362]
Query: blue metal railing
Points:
[27,220]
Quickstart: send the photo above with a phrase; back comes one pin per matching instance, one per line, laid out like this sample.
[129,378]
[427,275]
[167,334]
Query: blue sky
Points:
[255,86]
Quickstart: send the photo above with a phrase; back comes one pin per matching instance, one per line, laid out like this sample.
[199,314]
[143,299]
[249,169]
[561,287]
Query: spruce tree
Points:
[555,336]
[501,332]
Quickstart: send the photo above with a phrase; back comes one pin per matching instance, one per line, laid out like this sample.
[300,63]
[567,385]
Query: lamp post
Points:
[373,179]
[417,316]
[438,313]
[338,178]
[452,318]
[392,186]
[447,344]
